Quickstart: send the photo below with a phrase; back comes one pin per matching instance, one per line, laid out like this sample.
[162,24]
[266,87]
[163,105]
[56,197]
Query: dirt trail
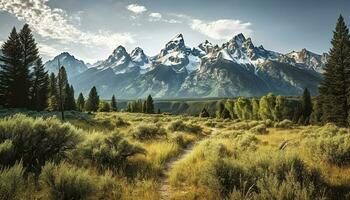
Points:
[165,189]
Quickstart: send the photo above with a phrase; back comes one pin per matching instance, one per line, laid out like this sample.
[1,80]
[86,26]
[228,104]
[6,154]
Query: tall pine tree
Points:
[149,105]
[69,103]
[334,89]
[93,100]
[53,93]
[114,104]
[13,92]
[80,102]
[40,88]
[306,106]
[30,61]
[62,89]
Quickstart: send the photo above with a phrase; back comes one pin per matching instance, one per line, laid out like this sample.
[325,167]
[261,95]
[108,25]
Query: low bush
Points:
[109,151]
[179,125]
[12,183]
[147,132]
[259,129]
[284,124]
[35,141]
[330,143]
[246,141]
[229,175]
[67,182]
[121,123]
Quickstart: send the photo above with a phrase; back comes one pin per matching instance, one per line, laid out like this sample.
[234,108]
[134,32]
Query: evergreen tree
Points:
[225,114]
[334,89]
[30,50]
[72,99]
[306,106]
[53,93]
[62,90]
[14,91]
[93,100]
[69,103]
[316,115]
[80,102]
[204,113]
[144,107]
[32,60]
[149,105]
[114,104]
[40,88]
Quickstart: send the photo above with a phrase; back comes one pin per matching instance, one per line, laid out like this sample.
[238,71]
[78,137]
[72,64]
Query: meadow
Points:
[120,155]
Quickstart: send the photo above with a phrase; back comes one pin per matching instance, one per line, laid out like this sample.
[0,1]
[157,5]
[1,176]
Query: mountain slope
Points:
[236,68]
[72,65]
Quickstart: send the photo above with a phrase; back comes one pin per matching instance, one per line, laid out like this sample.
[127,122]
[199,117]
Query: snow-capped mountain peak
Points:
[238,39]
[308,59]
[206,47]
[175,44]
[235,68]
[138,56]
[72,65]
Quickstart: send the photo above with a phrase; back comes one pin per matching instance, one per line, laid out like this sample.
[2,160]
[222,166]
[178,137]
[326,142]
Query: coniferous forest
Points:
[60,143]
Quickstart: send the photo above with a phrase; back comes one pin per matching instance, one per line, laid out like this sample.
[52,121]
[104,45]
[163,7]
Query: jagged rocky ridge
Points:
[236,68]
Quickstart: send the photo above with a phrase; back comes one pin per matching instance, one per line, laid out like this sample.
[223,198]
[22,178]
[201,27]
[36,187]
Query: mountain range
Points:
[236,68]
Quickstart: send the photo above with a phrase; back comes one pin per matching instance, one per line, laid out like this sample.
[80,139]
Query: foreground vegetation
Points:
[125,155]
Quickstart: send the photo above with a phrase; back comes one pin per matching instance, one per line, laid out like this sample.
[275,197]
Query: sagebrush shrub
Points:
[121,123]
[109,151]
[12,183]
[146,132]
[229,175]
[330,143]
[35,141]
[179,125]
[284,124]
[247,141]
[67,182]
[259,129]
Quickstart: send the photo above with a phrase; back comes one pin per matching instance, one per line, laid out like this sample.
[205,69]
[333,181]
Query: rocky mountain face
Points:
[236,68]
[71,64]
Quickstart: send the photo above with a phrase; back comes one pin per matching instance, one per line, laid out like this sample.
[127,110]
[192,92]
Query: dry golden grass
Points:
[192,176]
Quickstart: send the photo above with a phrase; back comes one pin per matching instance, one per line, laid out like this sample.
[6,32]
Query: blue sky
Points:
[91,29]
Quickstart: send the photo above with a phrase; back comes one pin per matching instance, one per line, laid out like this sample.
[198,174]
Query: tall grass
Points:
[12,183]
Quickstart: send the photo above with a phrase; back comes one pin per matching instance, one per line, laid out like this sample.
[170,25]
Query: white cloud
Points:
[222,29]
[156,15]
[137,9]
[48,50]
[55,24]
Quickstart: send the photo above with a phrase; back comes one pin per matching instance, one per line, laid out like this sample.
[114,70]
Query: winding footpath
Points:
[165,189]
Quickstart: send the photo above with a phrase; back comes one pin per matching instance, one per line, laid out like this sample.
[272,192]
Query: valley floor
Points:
[183,157]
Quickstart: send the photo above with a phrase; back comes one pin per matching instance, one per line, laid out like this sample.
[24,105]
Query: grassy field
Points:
[139,156]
